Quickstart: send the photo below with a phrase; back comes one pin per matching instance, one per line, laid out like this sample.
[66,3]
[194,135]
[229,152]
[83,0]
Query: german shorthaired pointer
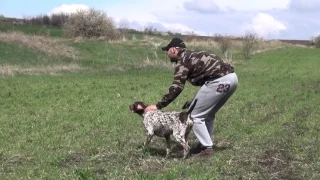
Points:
[164,124]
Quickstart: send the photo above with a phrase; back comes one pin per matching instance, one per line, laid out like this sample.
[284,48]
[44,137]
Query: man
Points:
[218,82]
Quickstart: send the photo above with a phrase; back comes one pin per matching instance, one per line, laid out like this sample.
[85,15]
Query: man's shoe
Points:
[207,152]
[196,149]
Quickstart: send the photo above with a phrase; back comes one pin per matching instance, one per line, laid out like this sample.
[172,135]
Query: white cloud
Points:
[202,6]
[268,18]
[68,8]
[265,25]
[303,5]
[146,14]
[252,5]
[177,27]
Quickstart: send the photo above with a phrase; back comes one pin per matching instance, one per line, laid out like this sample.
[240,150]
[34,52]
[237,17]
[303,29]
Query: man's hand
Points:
[151,107]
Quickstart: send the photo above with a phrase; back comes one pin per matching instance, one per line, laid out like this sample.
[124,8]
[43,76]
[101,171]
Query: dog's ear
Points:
[141,107]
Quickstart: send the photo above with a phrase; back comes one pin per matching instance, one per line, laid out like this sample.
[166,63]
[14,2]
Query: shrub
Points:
[224,42]
[315,41]
[248,42]
[90,23]
[191,36]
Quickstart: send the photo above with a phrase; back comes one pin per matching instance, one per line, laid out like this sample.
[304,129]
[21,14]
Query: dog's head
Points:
[138,107]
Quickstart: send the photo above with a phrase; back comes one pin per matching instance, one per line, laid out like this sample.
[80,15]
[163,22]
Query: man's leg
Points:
[211,97]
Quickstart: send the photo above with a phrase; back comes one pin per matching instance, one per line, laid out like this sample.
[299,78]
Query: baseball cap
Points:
[175,42]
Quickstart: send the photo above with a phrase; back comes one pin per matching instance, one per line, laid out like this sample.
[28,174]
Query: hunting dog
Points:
[164,124]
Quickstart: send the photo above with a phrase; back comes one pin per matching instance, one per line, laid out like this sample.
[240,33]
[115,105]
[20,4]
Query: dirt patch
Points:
[303,113]
[41,43]
[71,159]
[9,164]
[277,163]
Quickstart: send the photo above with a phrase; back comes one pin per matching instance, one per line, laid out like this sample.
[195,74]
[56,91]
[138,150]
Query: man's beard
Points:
[173,59]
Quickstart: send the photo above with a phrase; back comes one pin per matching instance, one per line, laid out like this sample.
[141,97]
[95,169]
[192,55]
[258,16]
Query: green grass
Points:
[33,30]
[101,54]
[78,125]
[12,54]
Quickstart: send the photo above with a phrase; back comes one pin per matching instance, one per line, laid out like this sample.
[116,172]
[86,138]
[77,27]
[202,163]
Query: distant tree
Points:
[149,30]
[315,41]
[58,19]
[45,20]
[1,17]
[124,25]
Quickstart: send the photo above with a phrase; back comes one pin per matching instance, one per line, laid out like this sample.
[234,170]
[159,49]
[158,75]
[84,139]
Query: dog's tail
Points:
[192,106]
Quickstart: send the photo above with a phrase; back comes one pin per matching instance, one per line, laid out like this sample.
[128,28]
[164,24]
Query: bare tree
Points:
[124,25]
[149,30]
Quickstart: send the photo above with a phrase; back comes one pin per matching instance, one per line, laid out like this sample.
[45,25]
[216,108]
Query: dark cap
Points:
[175,42]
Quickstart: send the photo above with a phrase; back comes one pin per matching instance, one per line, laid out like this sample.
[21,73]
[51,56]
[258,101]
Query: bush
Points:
[224,42]
[248,42]
[90,23]
[315,41]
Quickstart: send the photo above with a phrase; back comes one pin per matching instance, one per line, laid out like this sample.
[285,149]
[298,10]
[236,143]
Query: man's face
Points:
[173,54]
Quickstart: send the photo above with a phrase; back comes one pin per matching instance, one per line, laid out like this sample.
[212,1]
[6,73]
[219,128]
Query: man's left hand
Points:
[151,107]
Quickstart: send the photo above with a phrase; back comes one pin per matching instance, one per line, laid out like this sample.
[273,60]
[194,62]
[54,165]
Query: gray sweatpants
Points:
[211,97]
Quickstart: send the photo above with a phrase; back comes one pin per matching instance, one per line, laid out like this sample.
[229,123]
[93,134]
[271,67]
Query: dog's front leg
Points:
[168,145]
[149,137]
[186,151]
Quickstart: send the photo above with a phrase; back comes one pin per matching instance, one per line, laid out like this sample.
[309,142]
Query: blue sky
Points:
[271,19]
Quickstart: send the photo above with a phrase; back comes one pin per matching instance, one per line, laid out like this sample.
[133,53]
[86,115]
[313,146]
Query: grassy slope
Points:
[78,125]
[13,54]
[33,30]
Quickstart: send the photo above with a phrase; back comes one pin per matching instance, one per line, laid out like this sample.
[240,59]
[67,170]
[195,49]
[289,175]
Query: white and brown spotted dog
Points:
[164,124]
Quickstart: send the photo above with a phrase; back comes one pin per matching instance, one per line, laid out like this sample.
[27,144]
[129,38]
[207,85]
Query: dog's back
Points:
[164,123]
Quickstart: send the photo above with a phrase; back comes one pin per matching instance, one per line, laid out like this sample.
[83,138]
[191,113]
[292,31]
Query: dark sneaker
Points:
[196,149]
[207,152]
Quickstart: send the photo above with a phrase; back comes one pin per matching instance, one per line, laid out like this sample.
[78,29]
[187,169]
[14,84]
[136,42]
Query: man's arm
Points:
[180,78]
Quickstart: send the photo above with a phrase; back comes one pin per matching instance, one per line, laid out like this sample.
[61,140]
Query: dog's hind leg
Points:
[180,137]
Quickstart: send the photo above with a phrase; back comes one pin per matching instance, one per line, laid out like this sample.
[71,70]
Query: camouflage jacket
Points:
[196,67]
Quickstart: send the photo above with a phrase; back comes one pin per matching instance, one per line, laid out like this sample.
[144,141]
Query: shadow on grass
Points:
[176,150]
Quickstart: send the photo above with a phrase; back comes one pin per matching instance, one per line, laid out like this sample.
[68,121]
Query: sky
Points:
[270,19]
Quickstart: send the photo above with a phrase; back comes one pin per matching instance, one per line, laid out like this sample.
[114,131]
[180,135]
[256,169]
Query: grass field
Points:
[60,123]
